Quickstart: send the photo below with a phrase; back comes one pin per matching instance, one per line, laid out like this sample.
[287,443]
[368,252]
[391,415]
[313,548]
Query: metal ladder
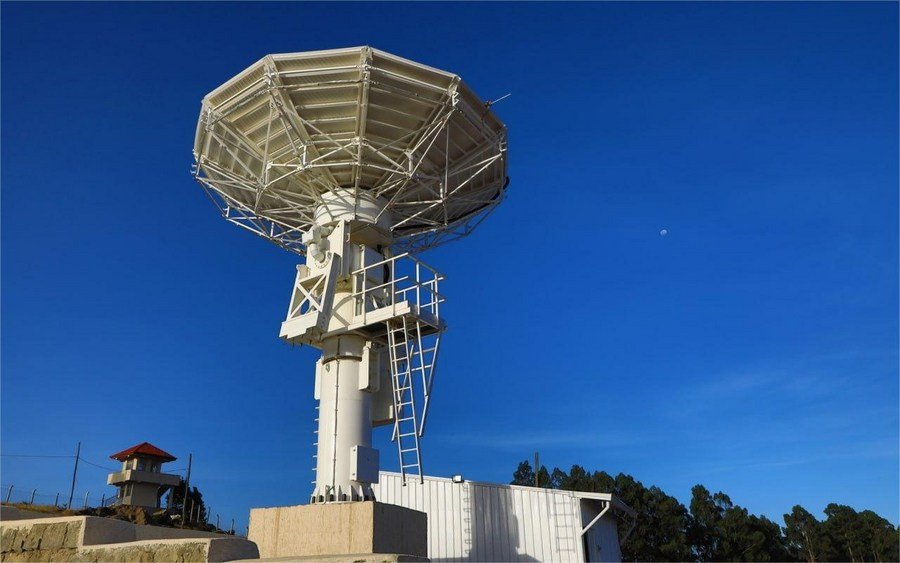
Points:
[406,425]
[564,522]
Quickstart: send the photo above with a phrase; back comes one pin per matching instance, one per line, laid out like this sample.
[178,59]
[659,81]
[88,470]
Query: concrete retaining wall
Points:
[90,538]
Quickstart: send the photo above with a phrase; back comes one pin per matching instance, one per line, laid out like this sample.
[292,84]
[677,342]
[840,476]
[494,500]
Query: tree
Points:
[747,537]
[660,532]
[195,498]
[863,536]
[706,514]
[558,477]
[716,529]
[577,479]
[659,529]
[773,547]
[722,531]
[882,538]
[803,535]
[524,475]
[844,533]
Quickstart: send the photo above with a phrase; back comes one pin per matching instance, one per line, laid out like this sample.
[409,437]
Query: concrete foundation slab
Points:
[339,529]
[352,558]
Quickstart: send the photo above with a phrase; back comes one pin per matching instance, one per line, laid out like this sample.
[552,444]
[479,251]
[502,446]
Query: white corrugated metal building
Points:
[471,521]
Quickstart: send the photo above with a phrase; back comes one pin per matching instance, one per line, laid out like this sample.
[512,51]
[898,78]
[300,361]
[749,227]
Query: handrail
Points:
[382,262]
[437,273]
[419,287]
[441,296]
[385,284]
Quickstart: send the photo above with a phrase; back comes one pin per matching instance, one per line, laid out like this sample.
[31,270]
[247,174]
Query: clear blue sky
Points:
[754,349]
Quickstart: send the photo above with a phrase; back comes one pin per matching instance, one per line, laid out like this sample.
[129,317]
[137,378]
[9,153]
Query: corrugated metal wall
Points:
[602,539]
[485,522]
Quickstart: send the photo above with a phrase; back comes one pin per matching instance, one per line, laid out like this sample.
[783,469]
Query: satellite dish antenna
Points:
[356,159]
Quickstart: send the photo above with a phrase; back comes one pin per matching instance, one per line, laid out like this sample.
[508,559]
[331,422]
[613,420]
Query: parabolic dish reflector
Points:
[278,136]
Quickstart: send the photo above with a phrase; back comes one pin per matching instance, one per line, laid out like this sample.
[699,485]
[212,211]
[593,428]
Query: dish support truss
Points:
[267,147]
[377,320]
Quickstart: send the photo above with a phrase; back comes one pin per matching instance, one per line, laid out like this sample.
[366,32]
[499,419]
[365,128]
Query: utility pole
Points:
[537,469]
[187,482]
[74,474]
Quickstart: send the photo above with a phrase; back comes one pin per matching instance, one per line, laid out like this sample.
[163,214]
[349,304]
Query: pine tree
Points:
[716,529]
[803,535]
[195,498]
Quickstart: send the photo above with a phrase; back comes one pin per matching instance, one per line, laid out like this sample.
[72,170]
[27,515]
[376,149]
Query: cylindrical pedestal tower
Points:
[344,457]
[345,420]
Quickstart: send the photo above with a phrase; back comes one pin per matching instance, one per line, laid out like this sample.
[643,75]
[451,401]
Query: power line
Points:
[24,455]
[105,468]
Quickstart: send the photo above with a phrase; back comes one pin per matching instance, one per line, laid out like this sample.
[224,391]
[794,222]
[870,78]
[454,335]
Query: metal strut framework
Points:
[292,127]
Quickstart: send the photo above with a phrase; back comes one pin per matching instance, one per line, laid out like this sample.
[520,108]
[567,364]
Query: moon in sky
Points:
[664,232]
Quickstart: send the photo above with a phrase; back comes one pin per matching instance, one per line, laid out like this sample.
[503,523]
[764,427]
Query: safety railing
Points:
[396,280]
[40,497]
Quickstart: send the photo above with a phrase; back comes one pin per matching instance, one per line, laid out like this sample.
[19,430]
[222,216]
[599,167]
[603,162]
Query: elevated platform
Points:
[370,325]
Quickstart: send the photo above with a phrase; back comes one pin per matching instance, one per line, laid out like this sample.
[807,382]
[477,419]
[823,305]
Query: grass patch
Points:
[43,508]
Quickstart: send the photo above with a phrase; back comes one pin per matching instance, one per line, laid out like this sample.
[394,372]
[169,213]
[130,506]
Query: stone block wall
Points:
[53,539]
[92,539]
